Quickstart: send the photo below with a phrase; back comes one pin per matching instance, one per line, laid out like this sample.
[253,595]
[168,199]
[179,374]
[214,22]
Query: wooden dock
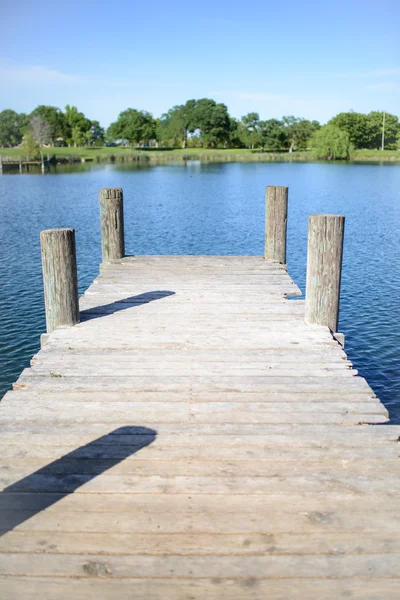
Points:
[7,164]
[193,439]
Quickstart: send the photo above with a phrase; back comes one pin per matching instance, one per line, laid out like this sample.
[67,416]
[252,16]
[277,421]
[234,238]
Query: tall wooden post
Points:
[59,277]
[112,224]
[276,209]
[324,267]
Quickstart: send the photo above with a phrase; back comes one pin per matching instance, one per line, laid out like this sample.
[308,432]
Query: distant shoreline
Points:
[118,154]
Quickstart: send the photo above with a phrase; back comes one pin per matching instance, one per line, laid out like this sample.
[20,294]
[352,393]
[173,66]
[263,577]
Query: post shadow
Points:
[43,488]
[109,309]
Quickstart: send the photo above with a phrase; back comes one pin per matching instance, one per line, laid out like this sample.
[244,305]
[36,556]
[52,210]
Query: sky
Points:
[311,59]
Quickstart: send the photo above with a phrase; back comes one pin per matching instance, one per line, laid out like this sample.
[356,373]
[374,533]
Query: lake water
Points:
[212,209]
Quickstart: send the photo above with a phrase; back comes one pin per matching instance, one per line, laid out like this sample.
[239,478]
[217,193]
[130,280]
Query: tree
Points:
[30,147]
[41,132]
[133,125]
[11,127]
[298,131]
[365,131]
[55,118]
[331,142]
[213,122]
[95,134]
[357,126]
[272,134]
[77,124]
[178,123]
[78,137]
[236,134]
[250,129]
[392,130]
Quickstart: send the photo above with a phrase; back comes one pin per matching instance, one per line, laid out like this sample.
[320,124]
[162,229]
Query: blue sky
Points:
[306,58]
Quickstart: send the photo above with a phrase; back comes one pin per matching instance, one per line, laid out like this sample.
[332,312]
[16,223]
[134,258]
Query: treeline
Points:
[50,126]
[202,123]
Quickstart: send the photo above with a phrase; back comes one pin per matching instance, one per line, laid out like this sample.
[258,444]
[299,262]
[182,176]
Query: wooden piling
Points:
[324,266]
[59,277]
[276,223]
[112,224]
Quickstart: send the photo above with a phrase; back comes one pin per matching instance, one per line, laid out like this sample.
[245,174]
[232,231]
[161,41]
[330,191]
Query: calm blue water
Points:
[212,209]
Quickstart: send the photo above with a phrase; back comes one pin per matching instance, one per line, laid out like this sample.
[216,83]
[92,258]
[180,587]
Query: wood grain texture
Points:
[276,223]
[324,268]
[112,224]
[194,438]
[60,279]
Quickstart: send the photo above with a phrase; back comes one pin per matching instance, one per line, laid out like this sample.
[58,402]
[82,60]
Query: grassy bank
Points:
[106,154]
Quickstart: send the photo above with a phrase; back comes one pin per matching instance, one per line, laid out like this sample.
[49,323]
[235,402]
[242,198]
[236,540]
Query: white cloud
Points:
[41,75]
[35,75]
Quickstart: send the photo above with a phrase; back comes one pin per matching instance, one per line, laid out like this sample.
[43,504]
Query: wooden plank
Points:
[24,467]
[216,434]
[215,412]
[305,451]
[198,567]
[183,370]
[186,484]
[152,513]
[326,401]
[362,588]
[273,383]
[184,544]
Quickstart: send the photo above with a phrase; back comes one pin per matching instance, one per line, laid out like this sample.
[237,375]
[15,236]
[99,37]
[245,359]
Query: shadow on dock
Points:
[43,488]
[109,309]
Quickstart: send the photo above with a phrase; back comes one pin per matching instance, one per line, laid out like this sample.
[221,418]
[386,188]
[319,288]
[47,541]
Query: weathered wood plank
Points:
[140,467]
[199,543]
[198,567]
[205,589]
[152,513]
[183,484]
[183,413]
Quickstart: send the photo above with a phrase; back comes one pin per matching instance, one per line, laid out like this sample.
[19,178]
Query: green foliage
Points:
[356,125]
[330,143]
[250,130]
[77,137]
[30,148]
[298,132]
[236,134]
[197,123]
[95,134]
[365,131]
[11,127]
[289,133]
[392,130]
[272,135]
[55,118]
[135,126]
[212,120]
[175,125]
[77,126]
[209,120]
